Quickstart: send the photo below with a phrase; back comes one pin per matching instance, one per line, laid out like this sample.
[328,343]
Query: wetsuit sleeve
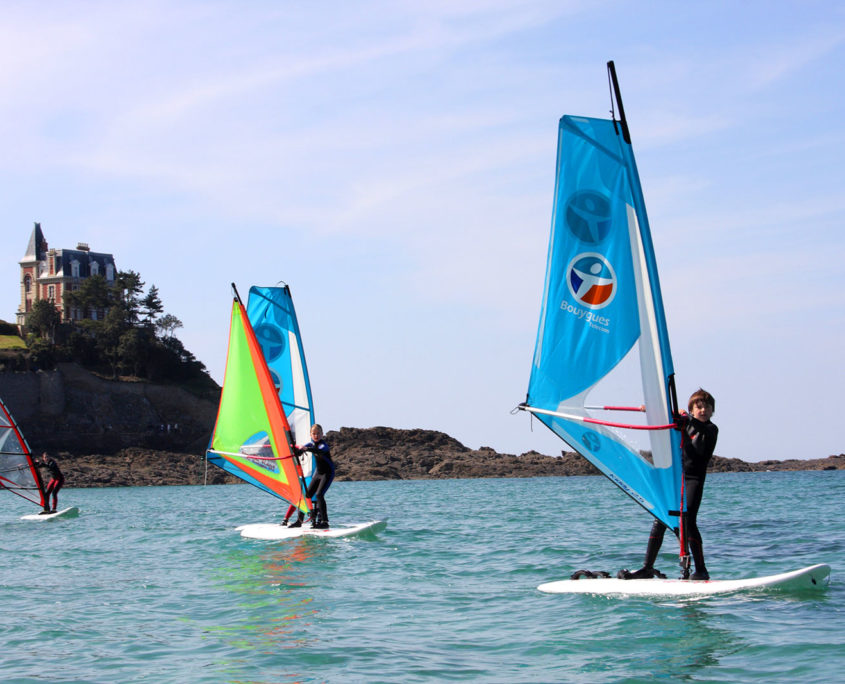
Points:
[697,446]
[703,436]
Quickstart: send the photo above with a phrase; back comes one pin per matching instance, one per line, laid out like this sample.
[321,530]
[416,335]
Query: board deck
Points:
[813,577]
[276,532]
[71,512]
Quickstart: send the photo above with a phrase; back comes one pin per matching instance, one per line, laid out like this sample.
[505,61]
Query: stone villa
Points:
[49,273]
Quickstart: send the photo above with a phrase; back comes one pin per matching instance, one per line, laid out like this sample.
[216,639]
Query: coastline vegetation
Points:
[122,333]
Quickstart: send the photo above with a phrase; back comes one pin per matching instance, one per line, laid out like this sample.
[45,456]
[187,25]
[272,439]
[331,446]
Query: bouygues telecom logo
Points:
[588,216]
[273,345]
[591,280]
[272,341]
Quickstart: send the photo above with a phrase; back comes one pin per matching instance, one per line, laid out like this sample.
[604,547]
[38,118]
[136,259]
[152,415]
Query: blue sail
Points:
[601,299]
[273,318]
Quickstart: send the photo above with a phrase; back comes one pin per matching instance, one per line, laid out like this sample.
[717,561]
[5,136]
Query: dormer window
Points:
[74,268]
[109,272]
[95,268]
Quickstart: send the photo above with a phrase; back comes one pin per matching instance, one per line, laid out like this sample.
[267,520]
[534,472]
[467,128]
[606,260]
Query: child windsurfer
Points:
[320,481]
[698,441]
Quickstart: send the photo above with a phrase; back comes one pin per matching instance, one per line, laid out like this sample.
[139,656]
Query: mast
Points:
[671,394]
[617,94]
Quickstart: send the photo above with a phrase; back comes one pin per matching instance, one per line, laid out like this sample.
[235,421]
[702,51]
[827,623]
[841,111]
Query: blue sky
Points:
[394,164]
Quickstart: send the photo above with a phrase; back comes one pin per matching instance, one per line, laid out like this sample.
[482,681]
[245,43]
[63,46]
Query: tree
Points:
[133,350]
[92,296]
[41,355]
[152,305]
[43,319]
[109,334]
[127,289]
[167,325]
[127,333]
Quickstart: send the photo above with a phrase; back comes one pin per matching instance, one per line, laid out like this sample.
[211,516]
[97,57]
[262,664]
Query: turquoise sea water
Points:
[154,585]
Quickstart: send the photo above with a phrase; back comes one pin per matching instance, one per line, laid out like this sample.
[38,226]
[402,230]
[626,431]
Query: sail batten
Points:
[601,299]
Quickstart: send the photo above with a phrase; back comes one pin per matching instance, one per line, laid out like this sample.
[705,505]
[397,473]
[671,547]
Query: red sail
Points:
[18,472]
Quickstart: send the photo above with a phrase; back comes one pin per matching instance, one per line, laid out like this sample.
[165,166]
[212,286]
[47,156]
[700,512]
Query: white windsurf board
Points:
[276,532]
[71,512]
[813,577]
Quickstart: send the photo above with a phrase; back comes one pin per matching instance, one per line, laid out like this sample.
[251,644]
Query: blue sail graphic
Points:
[273,318]
[601,299]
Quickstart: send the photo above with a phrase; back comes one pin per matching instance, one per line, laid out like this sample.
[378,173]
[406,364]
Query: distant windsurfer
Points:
[56,482]
[320,481]
[698,441]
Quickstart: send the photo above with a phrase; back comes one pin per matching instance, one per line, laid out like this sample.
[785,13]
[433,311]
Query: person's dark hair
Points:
[703,396]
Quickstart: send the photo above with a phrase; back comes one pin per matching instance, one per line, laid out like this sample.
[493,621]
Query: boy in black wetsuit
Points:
[698,440]
[55,483]
[320,481]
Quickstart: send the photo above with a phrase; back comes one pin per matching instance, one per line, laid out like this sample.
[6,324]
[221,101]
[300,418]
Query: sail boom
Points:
[249,457]
[640,409]
[595,421]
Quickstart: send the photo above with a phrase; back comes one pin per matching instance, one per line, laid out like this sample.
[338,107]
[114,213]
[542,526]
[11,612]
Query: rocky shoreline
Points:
[129,432]
[378,453]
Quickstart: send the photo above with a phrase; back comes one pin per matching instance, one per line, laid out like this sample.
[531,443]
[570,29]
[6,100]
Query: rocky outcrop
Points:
[735,465]
[383,453]
[378,453]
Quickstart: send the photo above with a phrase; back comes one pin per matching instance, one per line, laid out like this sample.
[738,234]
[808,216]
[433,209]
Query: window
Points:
[51,293]
[95,268]
[109,272]
[27,283]
[74,268]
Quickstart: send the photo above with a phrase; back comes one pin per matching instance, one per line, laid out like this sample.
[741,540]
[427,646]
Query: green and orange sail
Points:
[252,438]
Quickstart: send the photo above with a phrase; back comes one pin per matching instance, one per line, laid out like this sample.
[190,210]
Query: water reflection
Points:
[698,643]
[276,586]
[651,641]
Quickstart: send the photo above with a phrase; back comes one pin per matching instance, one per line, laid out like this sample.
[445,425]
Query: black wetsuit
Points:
[698,441]
[321,479]
[56,482]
